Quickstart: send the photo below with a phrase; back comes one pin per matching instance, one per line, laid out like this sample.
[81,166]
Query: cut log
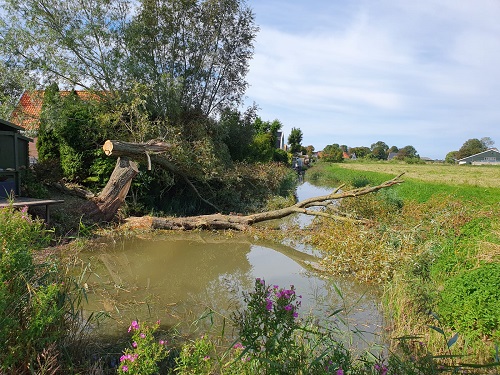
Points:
[113,195]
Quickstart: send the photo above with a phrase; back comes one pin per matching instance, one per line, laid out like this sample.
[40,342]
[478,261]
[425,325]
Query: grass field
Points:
[472,175]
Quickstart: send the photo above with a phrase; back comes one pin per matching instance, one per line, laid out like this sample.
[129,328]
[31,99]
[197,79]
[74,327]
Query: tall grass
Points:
[433,245]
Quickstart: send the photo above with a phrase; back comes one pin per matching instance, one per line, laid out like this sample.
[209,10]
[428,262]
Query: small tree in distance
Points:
[295,140]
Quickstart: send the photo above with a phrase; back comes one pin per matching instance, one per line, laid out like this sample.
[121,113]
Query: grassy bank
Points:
[434,244]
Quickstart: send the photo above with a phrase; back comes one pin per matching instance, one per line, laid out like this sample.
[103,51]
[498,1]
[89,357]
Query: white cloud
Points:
[422,73]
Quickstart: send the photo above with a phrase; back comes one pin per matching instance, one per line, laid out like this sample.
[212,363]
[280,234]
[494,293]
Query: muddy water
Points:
[176,277]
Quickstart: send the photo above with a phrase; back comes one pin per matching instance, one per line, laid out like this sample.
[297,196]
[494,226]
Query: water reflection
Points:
[176,277]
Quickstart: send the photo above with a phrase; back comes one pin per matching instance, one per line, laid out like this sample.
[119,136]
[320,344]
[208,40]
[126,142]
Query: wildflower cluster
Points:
[268,323]
[146,352]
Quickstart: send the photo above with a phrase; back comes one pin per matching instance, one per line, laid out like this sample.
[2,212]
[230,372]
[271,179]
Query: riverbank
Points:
[434,245]
[408,248]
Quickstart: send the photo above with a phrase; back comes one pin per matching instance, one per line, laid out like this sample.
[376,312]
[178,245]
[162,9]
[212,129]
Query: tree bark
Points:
[113,195]
[151,152]
[219,221]
[107,203]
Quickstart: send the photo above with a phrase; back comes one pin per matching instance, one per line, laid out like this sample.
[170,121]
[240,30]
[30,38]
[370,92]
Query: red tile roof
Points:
[27,112]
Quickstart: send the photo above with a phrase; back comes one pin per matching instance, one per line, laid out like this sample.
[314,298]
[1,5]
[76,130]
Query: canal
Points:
[177,277]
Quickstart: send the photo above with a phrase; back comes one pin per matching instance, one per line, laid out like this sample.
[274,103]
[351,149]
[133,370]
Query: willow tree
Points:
[166,68]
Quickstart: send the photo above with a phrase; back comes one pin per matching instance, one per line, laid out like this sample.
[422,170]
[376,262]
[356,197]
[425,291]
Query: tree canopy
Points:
[295,140]
[470,147]
[192,56]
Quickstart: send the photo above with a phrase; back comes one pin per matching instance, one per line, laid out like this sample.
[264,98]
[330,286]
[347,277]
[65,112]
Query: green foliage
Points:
[262,148]
[451,157]
[30,294]
[32,186]
[407,152]
[470,302]
[145,353]
[281,156]
[333,153]
[70,132]
[197,357]
[295,140]
[470,147]
[237,132]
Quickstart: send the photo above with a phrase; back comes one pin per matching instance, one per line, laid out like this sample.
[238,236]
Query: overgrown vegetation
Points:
[434,247]
[271,337]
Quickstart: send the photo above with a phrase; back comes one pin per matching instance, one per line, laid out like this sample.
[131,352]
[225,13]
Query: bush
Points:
[31,304]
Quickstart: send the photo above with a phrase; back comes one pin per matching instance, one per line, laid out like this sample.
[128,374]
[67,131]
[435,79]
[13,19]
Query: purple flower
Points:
[382,370]
[340,372]
[269,304]
[133,326]
[295,314]
[288,307]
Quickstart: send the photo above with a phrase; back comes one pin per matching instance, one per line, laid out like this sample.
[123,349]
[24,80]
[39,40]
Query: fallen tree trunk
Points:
[113,195]
[221,222]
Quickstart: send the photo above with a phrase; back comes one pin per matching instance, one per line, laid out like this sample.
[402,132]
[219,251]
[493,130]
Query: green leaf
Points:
[437,329]
[453,340]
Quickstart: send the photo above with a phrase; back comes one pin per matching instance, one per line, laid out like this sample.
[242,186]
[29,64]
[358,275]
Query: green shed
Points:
[14,158]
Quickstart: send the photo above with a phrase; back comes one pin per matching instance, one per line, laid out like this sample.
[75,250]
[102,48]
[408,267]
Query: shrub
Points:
[31,307]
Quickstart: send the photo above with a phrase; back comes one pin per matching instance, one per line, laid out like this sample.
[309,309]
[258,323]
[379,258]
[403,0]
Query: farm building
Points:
[488,157]
[14,157]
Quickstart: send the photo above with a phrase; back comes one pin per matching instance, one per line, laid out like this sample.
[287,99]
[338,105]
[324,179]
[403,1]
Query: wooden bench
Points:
[31,202]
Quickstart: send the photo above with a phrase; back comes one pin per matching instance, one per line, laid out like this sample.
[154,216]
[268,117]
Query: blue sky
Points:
[424,73]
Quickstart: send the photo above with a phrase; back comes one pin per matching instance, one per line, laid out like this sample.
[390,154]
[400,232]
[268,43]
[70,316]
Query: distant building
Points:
[488,157]
[280,140]
[392,155]
[14,158]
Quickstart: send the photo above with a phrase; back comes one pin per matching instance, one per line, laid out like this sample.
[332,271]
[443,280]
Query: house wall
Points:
[487,157]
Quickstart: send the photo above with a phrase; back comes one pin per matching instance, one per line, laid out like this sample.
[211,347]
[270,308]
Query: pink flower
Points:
[162,342]
[206,358]
[134,344]
[238,345]
[124,368]
[143,336]
[133,326]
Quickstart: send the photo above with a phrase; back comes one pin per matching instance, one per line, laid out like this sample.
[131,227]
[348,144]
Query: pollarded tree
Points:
[193,54]
[295,140]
